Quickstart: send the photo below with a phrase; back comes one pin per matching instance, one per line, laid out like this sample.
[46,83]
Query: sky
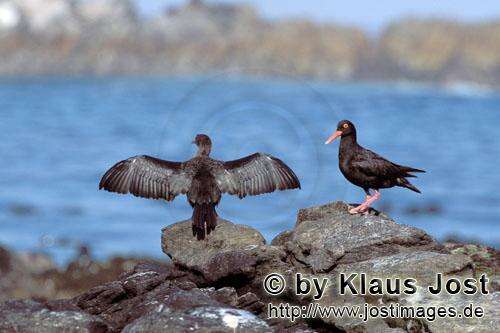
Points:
[371,15]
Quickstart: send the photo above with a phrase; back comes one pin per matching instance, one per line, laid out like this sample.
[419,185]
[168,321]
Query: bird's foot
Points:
[364,208]
[353,211]
[359,209]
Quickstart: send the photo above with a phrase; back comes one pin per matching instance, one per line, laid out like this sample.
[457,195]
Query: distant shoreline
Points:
[111,38]
[462,88]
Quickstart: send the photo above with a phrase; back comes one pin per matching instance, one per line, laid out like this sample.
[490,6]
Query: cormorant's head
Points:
[344,128]
[202,140]
[204,144]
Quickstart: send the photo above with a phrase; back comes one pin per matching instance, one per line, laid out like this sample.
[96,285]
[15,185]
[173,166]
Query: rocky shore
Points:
[217,284]
[106,37]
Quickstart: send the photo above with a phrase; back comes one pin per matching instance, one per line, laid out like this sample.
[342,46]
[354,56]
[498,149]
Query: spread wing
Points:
[147,177]
[372,164]
[255,174]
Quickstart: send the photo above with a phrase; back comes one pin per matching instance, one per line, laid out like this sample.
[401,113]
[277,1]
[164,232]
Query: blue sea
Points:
[59,135]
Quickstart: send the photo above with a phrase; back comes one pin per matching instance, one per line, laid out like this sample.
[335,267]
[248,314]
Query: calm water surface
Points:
[60,135]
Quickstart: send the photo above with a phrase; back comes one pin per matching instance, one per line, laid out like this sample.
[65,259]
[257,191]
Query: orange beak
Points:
[333,137]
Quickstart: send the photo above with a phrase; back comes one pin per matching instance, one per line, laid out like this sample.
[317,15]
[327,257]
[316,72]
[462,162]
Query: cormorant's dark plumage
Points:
[366,169]
[201,178]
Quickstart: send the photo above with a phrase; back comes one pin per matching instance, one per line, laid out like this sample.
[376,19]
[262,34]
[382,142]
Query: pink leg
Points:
[357,209]
[366,205]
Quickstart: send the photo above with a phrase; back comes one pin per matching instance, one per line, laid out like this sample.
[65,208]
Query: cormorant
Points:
[201,178]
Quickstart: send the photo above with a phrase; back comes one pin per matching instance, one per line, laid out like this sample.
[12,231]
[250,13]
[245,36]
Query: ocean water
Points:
[60,135]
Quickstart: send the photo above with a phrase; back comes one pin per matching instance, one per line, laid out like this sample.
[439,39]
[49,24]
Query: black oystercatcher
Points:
[201,178]
[364,168]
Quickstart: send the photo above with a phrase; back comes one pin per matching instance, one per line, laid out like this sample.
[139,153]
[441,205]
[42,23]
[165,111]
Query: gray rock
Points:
[485,260]
[33,317]
[488,324]
[327,241]
[206,319]
[230,250]
[345,323]
[326,236]
[282,238]
[212,284]
[420,265]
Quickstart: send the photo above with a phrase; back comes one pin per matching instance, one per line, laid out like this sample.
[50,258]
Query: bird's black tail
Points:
[403,182]
[204,219]
[407,171]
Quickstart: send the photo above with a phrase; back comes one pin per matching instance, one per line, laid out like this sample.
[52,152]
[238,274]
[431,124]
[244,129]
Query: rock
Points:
[19,275]
[489,323]
[327,241]
[37,263]
[326,236]
[5,261]
[212,285]
[421,265]
[99,299]
[140,283]
[146,290]
[35,275]
[484,259]
[250,302]
[149,290]
[201,319]
[31,316]
[282,238]
[230,250]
